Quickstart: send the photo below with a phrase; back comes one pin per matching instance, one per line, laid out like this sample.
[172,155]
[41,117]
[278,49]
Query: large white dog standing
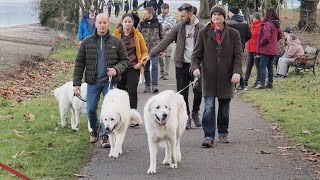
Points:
[165,117]
[116,116]
[68,102]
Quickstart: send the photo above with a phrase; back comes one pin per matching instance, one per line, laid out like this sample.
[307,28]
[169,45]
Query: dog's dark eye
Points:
[112,119]
[158,107]
[105,119]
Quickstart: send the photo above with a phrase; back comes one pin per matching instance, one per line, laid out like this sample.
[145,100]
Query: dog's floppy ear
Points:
[119,116]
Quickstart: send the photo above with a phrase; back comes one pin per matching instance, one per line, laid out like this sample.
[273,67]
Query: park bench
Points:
[311,54]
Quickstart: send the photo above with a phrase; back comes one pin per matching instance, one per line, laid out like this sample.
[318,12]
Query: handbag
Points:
[300,60]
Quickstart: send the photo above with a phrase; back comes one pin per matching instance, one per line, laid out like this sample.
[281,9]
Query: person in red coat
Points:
[267,46]
[251,48]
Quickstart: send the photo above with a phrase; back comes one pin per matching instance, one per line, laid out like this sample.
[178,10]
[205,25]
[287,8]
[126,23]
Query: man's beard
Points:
[188,21]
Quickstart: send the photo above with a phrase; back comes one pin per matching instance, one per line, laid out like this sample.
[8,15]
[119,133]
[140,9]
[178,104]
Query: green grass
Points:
[294,105]
[46,150]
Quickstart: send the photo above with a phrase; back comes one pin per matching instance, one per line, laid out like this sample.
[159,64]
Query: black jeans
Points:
[129,82]
[251,60]
[183,79]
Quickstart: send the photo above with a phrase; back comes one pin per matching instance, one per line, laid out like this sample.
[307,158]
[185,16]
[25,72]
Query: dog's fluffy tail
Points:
[135,117]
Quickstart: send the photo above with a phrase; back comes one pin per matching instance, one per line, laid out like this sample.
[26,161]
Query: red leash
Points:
[22,176]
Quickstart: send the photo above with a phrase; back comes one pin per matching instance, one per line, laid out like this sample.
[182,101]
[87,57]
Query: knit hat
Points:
[256,15]
[219,9]
[234,10]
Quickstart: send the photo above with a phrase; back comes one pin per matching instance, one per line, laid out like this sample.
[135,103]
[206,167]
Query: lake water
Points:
[17,12]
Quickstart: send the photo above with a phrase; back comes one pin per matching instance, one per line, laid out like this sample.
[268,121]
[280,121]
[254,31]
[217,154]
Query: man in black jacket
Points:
[101,58]
[237,22]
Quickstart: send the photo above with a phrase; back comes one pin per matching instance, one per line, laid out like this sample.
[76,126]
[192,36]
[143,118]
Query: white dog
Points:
[116,116]
[69,102]
[165,117]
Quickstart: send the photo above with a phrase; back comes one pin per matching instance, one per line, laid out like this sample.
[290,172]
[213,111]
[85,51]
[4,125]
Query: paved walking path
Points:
[240,159]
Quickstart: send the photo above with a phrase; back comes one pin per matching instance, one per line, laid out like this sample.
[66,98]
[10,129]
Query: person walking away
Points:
[151,29]
[160,2]
[237,22]
[109,6]
[87,24]
[185,34]
[267,48]
[101,57]
[136,49]
[251,48]
[126,6]
[117,4]
[135,4]
[167,20]
[218,50]
[153,4]
[293,50]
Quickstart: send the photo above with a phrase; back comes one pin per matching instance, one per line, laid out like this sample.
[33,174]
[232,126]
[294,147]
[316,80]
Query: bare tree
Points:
[308,15]
[204,9]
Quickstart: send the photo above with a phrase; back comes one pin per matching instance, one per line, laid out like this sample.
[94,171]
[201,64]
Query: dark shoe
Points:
[270,86]
[240,88]
[155,89]
[277,76]
[93,137]
[245,84]
[161,74]
[196,119]
[135,125]
[260,86]
[147,89]
[207,143]
[165,76]
[224,139]
[188,123]
[104,142]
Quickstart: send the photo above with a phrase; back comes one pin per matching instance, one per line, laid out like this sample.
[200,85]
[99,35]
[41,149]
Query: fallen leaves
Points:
[80,175]
[29,117]
[312,156]
[264,152]
[31,78]
[18,133]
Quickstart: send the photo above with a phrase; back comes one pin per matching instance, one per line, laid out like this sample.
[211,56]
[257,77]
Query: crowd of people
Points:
[212,53]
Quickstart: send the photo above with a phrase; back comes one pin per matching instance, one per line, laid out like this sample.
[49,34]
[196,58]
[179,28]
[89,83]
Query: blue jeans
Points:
[93,96]
[266,61]
[209,117]
[154,72]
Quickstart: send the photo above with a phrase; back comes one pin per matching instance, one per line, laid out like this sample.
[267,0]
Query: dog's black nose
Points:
[107,128]
[164,115]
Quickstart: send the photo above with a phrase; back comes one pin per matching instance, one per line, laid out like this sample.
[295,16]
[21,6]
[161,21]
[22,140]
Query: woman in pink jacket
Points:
[292,50]
[267,46]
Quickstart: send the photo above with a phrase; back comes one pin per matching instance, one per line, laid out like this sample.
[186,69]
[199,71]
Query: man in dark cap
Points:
[218,52]
[237,22]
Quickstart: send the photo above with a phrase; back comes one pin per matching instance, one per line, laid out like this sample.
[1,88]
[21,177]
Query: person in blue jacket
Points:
[87,24]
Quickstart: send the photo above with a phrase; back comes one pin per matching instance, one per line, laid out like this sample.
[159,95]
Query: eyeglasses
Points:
[186,6]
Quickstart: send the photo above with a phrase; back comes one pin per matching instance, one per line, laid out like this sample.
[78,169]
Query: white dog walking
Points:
[165,117]
[68,102]
[116,116]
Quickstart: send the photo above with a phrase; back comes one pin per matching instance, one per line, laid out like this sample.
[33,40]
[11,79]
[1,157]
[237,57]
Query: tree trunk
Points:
[211,3]
[308,15]
[285,4]
[204,9]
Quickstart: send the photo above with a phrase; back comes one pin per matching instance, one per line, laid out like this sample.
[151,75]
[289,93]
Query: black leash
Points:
[78,96]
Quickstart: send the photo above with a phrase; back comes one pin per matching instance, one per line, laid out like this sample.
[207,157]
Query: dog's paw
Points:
[63,125]
[75,129]
[166,162]
[151,170]
[178,157]
[120,151]
[173,165]
[110,155]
